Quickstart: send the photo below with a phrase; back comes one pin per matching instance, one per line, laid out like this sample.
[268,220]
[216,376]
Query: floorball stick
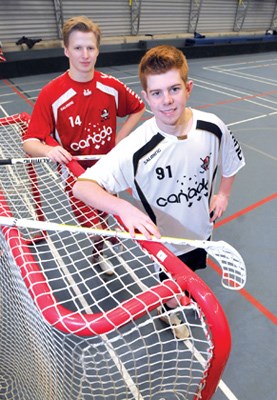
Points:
[228,258]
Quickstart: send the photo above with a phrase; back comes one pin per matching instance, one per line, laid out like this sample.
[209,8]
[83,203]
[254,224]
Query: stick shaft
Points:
[53,226]
[230,261]
[37,160]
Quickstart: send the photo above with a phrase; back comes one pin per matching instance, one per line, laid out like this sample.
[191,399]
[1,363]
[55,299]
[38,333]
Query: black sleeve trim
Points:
[210,127]
[149,146]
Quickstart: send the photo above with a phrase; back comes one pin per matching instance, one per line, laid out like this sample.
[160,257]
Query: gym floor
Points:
[241,90]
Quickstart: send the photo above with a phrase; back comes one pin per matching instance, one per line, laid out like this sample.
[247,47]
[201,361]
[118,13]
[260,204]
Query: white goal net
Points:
[71,331]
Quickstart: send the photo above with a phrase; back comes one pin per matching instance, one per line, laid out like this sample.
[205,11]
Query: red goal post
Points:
[85,332]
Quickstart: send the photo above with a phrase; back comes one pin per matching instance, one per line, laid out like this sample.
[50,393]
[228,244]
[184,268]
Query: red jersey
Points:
[81,116]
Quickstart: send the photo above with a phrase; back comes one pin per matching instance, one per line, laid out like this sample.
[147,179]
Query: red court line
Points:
[19,93]
[251,299]
[249,97]
[245,210]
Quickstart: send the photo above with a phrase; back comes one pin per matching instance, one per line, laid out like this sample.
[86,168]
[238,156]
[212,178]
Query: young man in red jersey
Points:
[80,107]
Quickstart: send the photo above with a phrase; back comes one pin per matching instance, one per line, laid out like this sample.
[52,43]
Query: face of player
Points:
[167,96]
[82,52]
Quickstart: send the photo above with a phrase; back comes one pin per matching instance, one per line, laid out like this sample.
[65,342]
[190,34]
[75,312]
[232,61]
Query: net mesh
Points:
[69,330]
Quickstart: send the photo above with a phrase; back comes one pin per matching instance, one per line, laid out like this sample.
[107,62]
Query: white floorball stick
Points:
[37,160]
[228,258]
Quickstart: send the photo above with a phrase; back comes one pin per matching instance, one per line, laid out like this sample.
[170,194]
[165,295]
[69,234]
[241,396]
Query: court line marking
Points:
[246,210]
[18,92]
[263,153]
[223,86]
[242,75]
[249,65]
[13,93]
[239,70]
[236,99]
[239,93]
[249,297]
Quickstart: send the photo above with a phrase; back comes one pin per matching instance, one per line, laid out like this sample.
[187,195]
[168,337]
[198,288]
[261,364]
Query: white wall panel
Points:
[113,16]
[36,18]
[31,18]
[217,16]
[259,15]
[164,17]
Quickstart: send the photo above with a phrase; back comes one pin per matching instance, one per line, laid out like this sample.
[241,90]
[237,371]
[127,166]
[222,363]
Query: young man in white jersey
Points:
[170,163]
[80,107]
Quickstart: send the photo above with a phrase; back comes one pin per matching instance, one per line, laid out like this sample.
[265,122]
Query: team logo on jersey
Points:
[206,164]
[194,191]
[105,115]
[94,139]
[87,92]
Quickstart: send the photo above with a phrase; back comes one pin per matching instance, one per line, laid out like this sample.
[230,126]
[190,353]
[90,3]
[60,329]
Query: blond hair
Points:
[161,59]
[82,24]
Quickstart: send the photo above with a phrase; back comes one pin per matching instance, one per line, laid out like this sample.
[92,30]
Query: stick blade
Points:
[231,263]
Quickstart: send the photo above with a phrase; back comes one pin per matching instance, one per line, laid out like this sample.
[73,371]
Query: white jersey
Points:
[171,179]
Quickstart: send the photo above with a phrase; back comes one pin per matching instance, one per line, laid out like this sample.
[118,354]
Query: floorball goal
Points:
[69,330]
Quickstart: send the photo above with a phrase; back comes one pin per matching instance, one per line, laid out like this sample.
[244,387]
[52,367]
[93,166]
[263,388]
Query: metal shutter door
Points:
[113,16]
[164,16]
[217,16]
[259,15]
[31,18]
